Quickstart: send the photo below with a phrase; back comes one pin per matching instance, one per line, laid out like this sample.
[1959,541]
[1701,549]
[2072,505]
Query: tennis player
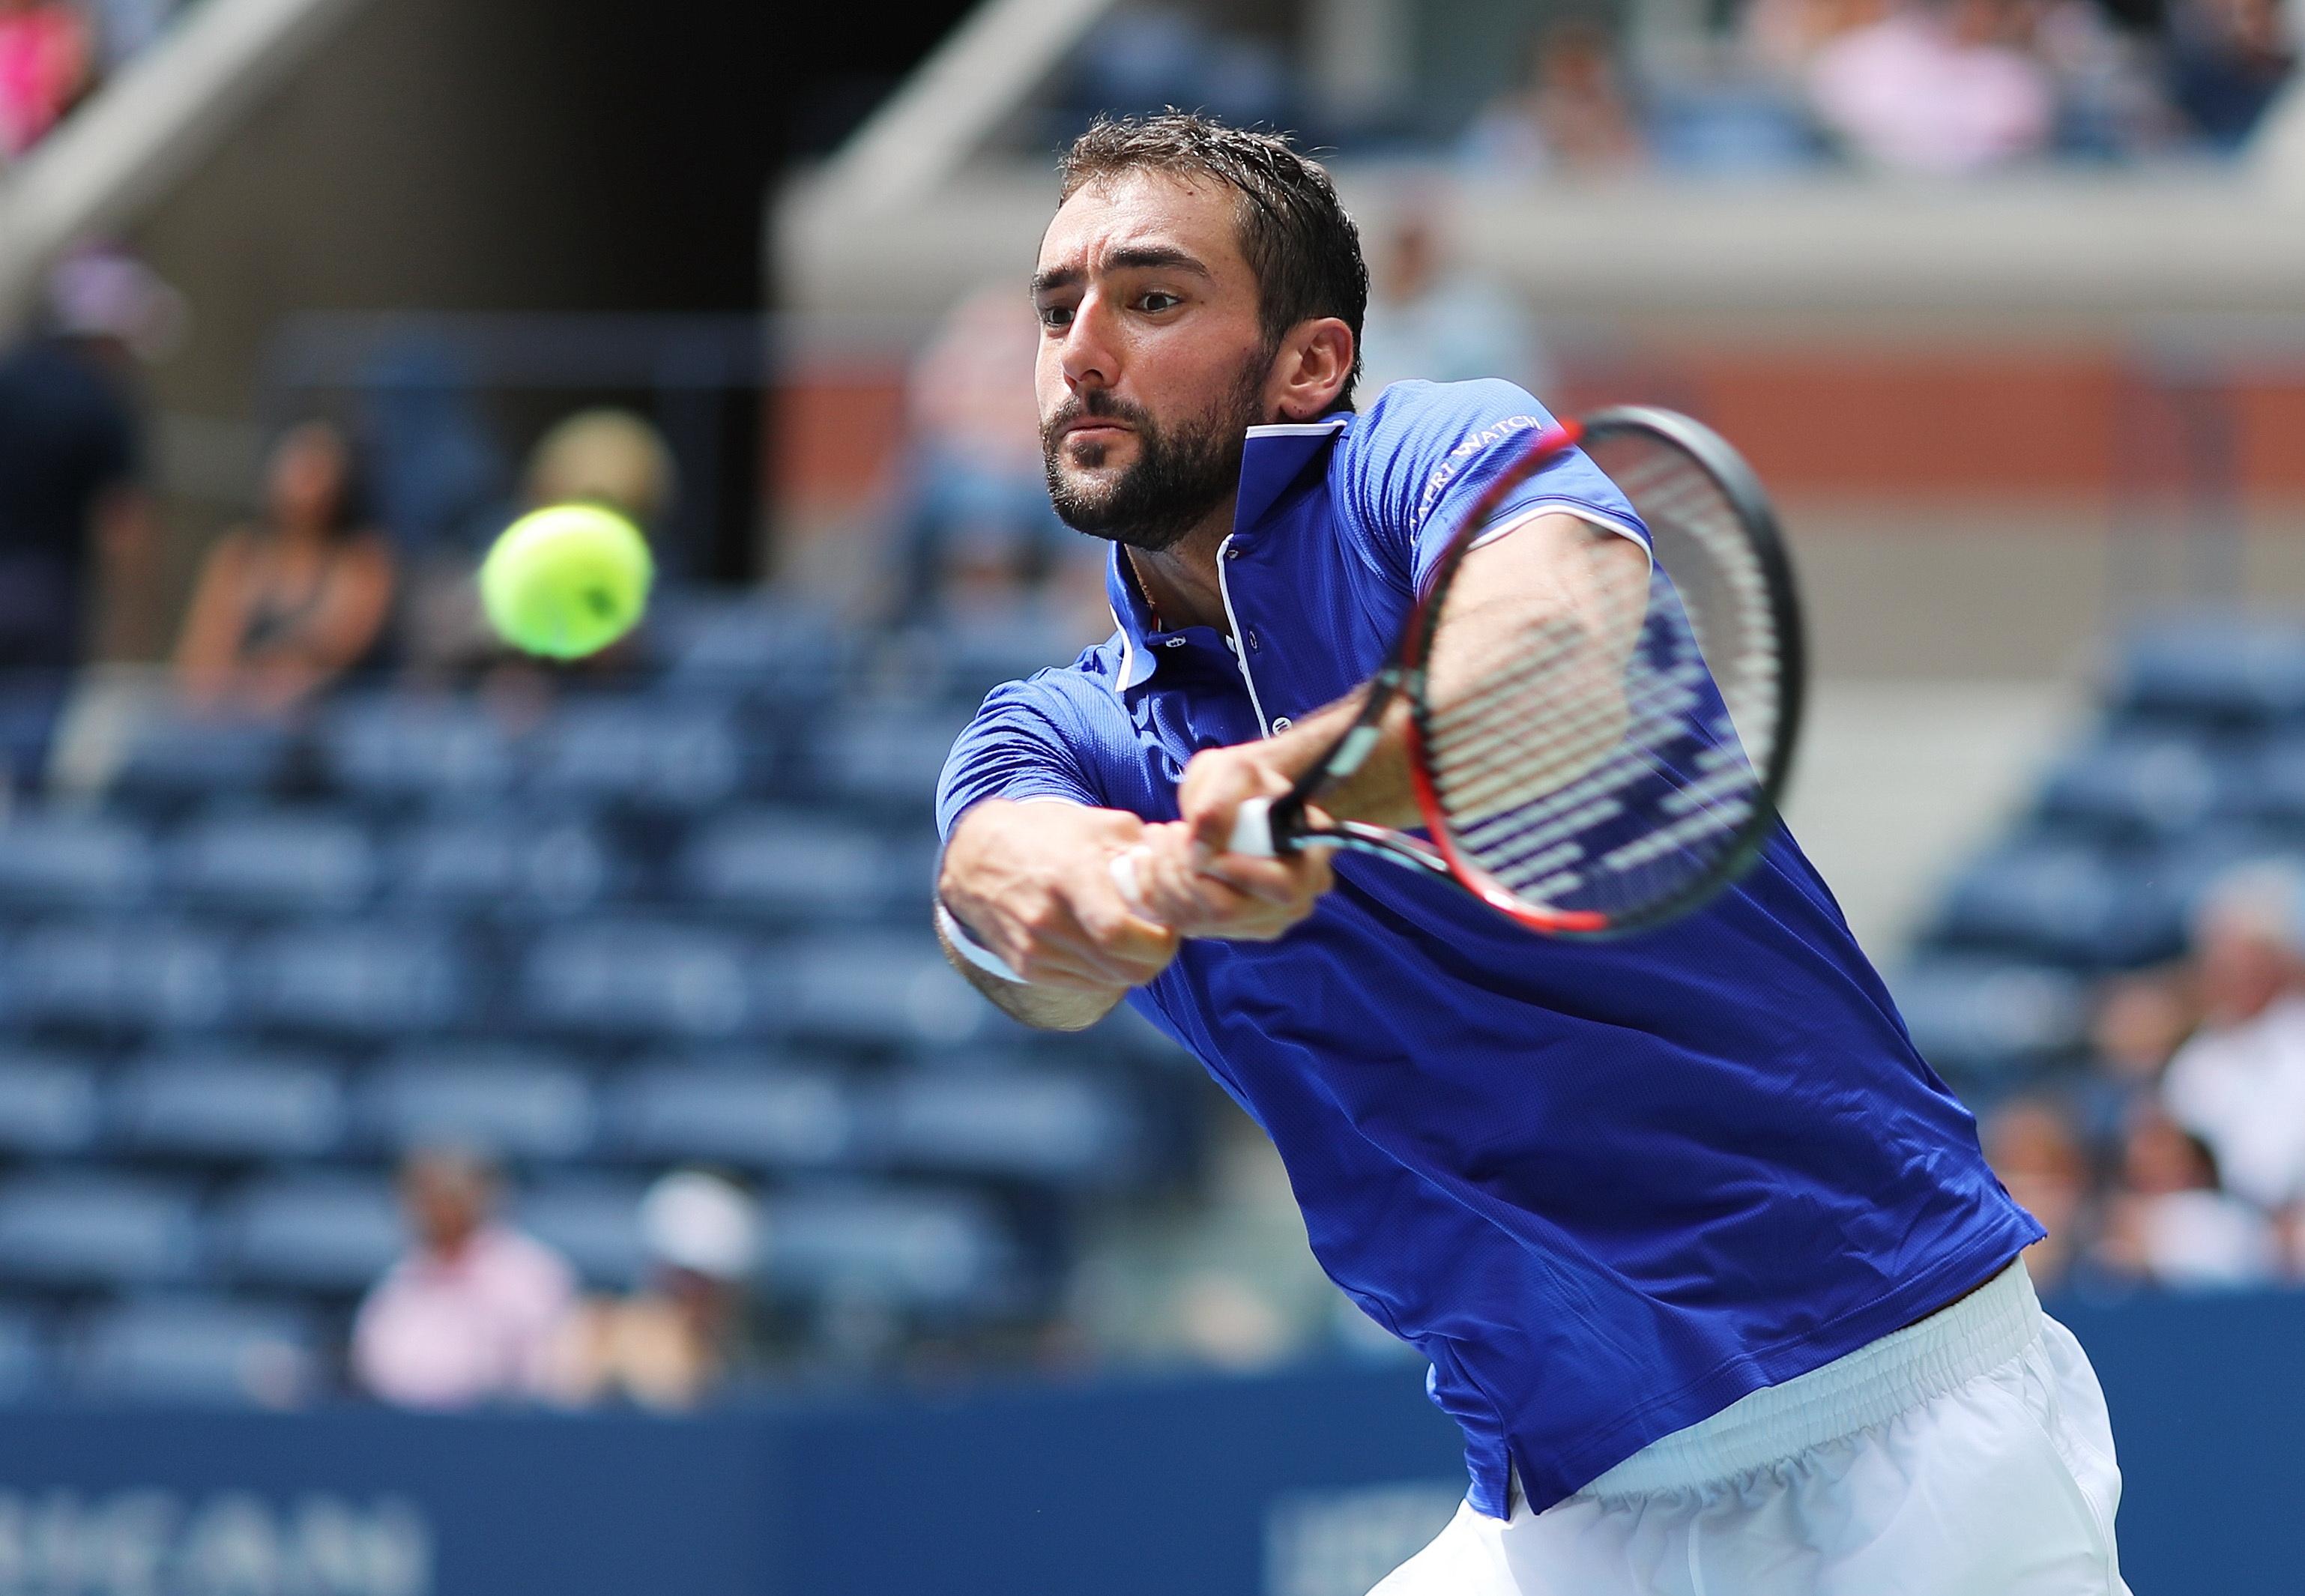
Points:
[1707,1263]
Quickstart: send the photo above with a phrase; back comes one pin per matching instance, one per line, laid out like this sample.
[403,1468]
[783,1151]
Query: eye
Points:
[1157,300]
[1055,316]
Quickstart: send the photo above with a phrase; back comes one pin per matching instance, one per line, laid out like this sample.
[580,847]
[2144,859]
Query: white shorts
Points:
[1968,1454]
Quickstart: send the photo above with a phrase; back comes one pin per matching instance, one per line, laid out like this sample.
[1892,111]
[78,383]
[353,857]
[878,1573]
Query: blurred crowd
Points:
[54,54]
[2176,1157]
[1926,86]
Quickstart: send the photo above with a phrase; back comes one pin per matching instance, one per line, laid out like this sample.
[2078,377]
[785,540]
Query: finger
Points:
[1284,882]
[1128,868]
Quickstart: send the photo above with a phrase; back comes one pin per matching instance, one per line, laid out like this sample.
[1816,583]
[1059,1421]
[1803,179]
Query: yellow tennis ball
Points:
[566,580]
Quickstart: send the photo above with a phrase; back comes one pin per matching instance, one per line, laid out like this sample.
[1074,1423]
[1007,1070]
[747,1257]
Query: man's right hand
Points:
[1034,883]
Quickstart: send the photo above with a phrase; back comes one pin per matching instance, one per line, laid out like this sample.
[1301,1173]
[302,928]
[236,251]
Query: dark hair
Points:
[1303,249]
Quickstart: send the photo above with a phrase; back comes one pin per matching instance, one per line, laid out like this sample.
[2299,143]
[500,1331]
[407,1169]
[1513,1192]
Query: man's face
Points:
[1152,361]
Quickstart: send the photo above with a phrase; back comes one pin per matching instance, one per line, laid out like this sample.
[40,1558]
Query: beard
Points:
[1180,474]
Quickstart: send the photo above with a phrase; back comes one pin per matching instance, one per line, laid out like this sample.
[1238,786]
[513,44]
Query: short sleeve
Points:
[1413,465]
[1016,748]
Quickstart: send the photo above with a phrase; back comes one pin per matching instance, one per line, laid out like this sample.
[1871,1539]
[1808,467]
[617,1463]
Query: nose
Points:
[1087,354]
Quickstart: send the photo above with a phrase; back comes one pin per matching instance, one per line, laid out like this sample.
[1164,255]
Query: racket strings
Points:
[1574,787]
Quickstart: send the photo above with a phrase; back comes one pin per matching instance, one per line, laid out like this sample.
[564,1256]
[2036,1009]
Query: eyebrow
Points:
[1142,258]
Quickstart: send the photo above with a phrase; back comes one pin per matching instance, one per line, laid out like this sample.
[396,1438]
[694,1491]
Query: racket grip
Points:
[1123,880]
[1251,830]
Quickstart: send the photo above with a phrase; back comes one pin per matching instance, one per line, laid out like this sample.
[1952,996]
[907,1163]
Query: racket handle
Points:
[1251,830]
[1123,880]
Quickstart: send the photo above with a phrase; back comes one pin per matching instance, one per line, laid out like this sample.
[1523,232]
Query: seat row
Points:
[331,1234]
[231,1104]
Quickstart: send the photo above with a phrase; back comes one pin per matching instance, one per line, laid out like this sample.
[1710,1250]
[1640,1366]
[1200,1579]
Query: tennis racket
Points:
[1589,791]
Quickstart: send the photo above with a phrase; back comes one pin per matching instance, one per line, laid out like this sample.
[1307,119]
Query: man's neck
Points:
[1180,582]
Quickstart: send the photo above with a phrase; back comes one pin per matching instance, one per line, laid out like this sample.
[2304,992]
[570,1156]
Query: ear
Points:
[1310,370]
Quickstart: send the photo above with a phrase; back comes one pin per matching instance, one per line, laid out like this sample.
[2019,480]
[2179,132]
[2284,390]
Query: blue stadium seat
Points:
[2062,901]
[92,1229]
[753,646]
[202,1350]
[2270,780]
[367,978]
[733,1111]
[890,989]
[227,1102]
[595,1224]
[2138,788]
[963,660]
[49,1104]
[27,1357]
[643,753]
[1039,1126]
[643,979]
[397,749]
[178,761]
[119,974]
[1982,1020]
[332,1233]
[933,1249]
[507,1101]
[510,859]
[280,862]
[62,860]
[793,867]
[887,755]
[2222,669]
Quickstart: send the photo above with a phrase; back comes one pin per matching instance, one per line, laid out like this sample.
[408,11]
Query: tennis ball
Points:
[566,580]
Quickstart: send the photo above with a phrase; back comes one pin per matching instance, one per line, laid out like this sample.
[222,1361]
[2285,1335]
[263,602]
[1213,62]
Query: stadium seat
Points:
[395,749]
[640,754]
[2222,669]
[886,990]
[367,978]
[595,1224]
[733,1111]
[118,974]
[2270,780]
[331,1233]
[2062,901]
[2144,789]
[887,755]
[220,1102]
[274,862]
[903,1248]
[643,980]
[959,661]
[791,866]
[509,859]
[180,761]
[1982,1020]
[507,1101]
[752,646]
[26,1355]
[49,1106]
[203,1350]
[1039,1125]
[85,1229]
[65,860]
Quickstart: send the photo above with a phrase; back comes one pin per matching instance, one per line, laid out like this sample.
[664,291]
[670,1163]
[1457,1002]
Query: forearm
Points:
[1044,1008]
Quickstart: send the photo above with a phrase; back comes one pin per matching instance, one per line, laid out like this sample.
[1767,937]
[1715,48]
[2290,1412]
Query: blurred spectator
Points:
[69,502]
[673,1342]
[2138,1023]
[283,609]
[2031,1148]
[979,529]
[2168,1222]
[2227,61]
[1939,86]
[1444,325]
[2239,1084]
[1569,114]
[609,457]
[468,1315]
[46,56]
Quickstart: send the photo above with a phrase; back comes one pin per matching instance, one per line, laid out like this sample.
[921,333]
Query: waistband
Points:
[1985,1329]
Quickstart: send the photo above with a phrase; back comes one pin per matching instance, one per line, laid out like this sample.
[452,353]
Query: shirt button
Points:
[1253,642]
[1281,723]
[1174,642]
[1232,553]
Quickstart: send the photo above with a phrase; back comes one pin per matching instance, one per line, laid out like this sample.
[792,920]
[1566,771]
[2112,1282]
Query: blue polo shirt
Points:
[1607,1188]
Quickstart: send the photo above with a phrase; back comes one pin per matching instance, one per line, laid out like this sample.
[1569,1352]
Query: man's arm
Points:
[1583,588]
[1033,884]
